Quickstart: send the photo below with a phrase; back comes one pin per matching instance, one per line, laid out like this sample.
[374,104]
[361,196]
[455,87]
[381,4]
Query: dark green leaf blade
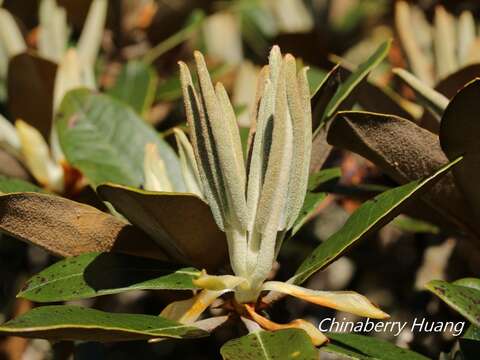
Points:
[97,274]
[355,78]
[61,322]
[369,348]
[105,140]
[136,86]
[264,345]
[371,216]
[463,299]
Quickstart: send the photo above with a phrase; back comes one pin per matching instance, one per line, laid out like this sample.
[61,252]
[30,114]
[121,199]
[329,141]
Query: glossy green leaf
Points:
[97,274]
[61,322]
[322,177]
[263,345]
[136,86]
[181,223]
[462,299]
[11,185]
[473,283]
[105,140]
[459,134]
[370,217]
[354,79]
[366,347]
[316,78]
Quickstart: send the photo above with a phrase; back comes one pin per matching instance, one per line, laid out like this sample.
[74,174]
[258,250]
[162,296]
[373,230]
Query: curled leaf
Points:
[347,301]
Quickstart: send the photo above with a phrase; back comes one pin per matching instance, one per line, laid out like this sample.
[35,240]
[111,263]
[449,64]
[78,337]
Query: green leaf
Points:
[459,134]
[67,228]
[105,140]
[181,223]
[316,78]
[430,98]
[61,322]
[355,78]
[136,86]
[11,185]
[370,217]
[473,283]
[412,225]
[263,345]
[322,177]
[97,274]
[462,299]
[366,347]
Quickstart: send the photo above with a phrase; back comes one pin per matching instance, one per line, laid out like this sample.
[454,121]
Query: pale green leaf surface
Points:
[105,140]
[355,78]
